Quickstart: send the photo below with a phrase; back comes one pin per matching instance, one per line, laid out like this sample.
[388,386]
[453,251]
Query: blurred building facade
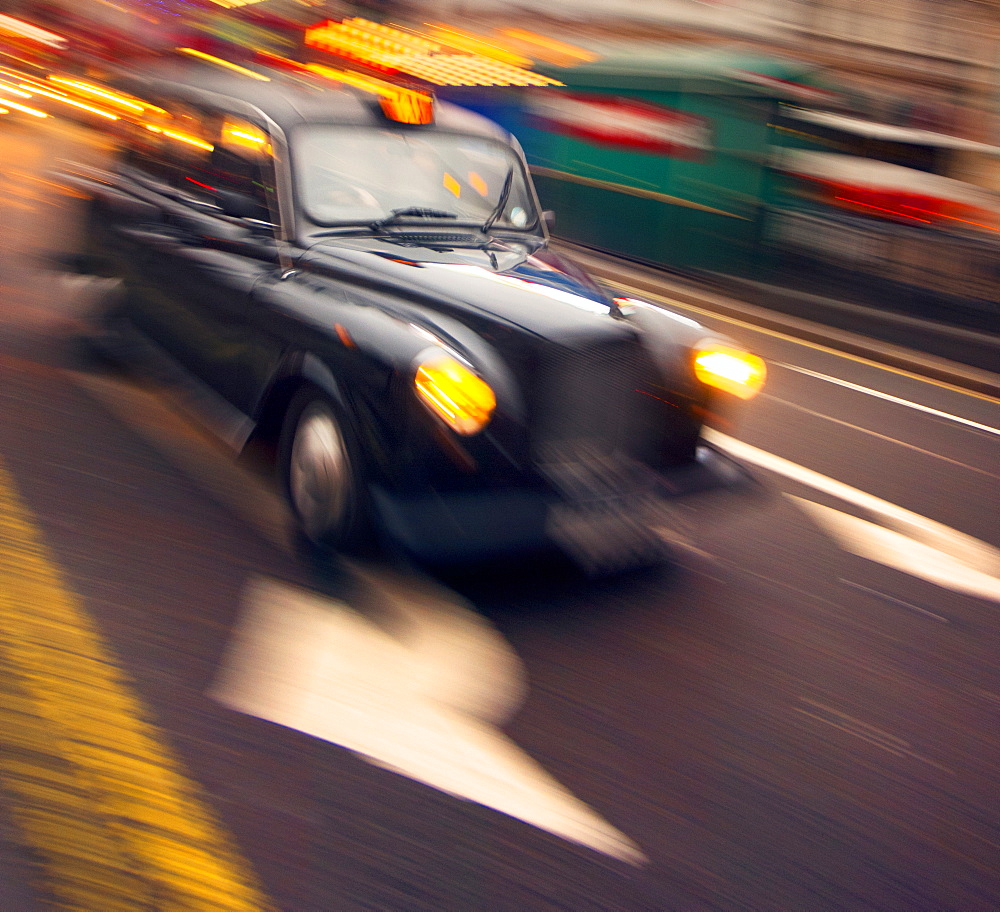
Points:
[922,63]
[927,63]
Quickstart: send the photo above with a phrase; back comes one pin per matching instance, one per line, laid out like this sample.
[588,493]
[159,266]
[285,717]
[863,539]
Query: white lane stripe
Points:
[888,398]
[885,597]
[904,552]
[877,435]
[923,535]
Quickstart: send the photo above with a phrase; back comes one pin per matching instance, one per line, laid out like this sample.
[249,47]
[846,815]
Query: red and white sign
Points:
[623,122]
[788,88]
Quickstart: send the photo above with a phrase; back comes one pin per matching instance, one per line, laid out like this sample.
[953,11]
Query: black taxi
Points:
[362,276]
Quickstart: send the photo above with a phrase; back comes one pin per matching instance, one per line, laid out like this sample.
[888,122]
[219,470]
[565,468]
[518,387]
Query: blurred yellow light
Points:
[456,395]
[398,103]
[57,96]
[729,369]
[10,90]
[34,112]
[239,134]
[360,34]
[218,61]
[183,137]
[452,185]
[89,89]
[557,51]
[245,135]
[383,47]
[364,27]
[466,41]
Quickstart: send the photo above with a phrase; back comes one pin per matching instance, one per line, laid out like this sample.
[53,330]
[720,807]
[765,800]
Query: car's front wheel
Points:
[321,473]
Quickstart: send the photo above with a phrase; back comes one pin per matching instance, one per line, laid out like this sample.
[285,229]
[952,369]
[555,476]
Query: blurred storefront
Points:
[661,154]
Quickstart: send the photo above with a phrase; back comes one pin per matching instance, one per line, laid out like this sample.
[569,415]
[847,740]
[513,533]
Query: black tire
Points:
[322,475]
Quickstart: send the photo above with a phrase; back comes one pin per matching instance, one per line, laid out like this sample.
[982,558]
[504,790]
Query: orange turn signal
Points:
[729,369]
[457,396]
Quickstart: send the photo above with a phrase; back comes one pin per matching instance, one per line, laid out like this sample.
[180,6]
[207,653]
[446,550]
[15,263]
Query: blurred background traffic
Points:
[817,146]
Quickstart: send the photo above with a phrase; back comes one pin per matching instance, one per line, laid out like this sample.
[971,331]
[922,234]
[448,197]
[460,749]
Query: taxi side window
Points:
[241,163]
[209,157]
[170,144]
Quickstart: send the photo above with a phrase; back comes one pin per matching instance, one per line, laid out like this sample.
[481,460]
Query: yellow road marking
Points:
[645,294]
[98,796]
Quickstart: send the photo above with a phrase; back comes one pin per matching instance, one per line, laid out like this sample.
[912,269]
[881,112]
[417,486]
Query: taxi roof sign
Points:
[408,107]
[398,103]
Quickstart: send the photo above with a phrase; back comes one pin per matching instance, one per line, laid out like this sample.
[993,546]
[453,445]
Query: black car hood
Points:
[537,291]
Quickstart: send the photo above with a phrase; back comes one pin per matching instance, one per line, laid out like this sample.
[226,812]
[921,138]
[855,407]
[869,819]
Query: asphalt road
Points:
[799,712]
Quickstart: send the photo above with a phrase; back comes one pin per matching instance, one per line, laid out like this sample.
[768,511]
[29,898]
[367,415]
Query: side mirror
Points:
[549,220]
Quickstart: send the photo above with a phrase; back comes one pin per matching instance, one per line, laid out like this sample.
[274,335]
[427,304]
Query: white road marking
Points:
[878,394]
[885,597]
[424,705]
[428,707]
[894,549]
[871,433]
[907,541]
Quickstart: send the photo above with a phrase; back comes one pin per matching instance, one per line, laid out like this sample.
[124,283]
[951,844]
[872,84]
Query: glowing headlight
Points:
[729,369]
[456,395]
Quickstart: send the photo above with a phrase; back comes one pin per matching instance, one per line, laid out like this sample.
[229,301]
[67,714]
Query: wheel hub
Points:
[319,473]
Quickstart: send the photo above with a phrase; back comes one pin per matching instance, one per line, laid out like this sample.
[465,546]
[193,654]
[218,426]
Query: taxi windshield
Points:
[351,175]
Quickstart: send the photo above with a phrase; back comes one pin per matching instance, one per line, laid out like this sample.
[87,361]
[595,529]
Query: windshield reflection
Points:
[350,175]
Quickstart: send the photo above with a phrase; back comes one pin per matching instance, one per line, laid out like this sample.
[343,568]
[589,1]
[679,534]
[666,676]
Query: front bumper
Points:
[597,524]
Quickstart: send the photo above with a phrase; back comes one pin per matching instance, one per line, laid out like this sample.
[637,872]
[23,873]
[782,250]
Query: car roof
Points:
[290,100]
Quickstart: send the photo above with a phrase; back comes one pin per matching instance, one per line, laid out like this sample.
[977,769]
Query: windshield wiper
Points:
[395,216]
[504,193]
[410,212]
[343,230]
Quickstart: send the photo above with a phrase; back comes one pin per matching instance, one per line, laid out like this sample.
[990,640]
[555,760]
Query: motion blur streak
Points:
[57,96]
[218,61]
[96,793]
[34,112]
[89,89]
